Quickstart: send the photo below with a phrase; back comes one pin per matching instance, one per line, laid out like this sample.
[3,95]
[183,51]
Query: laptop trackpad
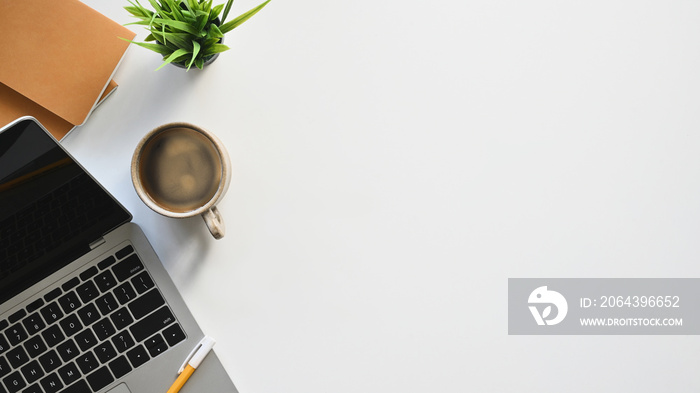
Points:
[121,388]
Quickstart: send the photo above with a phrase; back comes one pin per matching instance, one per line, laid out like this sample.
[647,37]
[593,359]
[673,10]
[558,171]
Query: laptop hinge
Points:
[97,243]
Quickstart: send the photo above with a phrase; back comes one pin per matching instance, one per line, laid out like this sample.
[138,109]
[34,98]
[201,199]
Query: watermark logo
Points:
[542,296]
[603,306]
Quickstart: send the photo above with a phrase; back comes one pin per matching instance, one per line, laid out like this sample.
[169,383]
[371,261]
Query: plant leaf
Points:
[188,17]
[229,3]
[175,8]
[214,31]
[214,49]
[181,40]
[226,27]
[153,18]
[215,11]
[182,26]
[195,52]
[140,22]
[173,57]
[209,42]
[199,63]
[161,49]
[546,312]
[139,12]
[202,19]
[155,6]
[187,5]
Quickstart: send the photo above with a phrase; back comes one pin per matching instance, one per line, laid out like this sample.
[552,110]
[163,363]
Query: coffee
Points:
[180,169]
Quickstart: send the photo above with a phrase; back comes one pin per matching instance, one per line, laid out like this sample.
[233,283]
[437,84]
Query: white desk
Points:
[395,162]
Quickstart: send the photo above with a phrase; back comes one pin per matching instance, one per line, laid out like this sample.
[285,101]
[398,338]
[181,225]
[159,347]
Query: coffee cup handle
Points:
[214,222]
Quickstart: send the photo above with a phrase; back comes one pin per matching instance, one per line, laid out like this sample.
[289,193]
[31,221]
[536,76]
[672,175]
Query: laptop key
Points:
[124,252]
[86,339]
[120,367]
[155,345]
[89,314]
[51,313]
[121,318]
[53,294]
[87,362]
[33,306]
[33,389]
[69,302]
[50,361]
[32,372]
[107,262]
[69,373]
[71,325]
[79,387]
[17,316]
[123,341]
[68,350]
[16,334]
[33,323]
[105,352]
[4,345]
[104,329]
[152,324]
[124,293]
[107,303]
[88,273]
[87,291]
[14,382]
[105,281]
[127,267]
[174,334]
[35,346]
[146,303]
[100,378]
[53,335]
[17,357]
[72,283]
[4,367]
[51,383]
[137,356]
[142,282]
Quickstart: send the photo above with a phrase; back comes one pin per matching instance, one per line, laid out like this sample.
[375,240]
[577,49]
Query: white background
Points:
[396,161]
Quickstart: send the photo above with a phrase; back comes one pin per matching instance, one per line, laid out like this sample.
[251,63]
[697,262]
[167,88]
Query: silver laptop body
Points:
[86,305]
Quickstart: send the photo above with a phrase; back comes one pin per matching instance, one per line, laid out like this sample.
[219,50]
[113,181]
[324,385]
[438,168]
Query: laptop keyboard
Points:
[90,331]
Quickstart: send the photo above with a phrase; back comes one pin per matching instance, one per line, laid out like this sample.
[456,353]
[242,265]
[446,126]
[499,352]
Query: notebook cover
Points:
[14,105]
[59,54]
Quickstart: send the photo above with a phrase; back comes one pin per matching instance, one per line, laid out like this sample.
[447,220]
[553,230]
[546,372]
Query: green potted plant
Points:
[187,32]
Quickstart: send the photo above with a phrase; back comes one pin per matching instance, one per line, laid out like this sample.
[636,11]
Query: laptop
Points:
[85,303]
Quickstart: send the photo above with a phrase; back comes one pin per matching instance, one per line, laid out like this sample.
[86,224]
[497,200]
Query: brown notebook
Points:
[58,60]
[14,105]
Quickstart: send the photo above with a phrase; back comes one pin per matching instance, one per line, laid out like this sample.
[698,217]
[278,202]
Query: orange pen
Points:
[194,359]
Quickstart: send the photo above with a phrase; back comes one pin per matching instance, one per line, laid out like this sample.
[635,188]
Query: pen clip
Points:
[198,353]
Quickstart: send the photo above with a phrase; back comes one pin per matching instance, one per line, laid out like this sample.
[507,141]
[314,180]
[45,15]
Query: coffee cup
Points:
[181,170]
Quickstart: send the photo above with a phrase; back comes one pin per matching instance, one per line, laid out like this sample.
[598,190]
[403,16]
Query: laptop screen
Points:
[50,208]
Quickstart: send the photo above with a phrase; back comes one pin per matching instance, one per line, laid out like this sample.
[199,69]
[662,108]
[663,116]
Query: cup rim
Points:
[136,176]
